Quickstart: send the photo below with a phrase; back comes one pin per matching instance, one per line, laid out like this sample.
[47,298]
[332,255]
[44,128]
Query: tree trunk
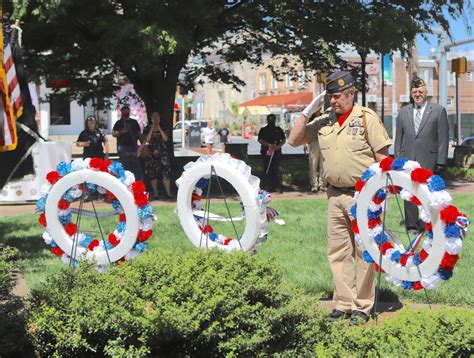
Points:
[158,90]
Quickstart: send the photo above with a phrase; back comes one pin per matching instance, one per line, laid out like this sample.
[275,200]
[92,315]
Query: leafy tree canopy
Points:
[96,44]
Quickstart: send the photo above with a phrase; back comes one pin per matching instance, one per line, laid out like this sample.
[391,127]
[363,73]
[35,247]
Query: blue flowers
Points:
[395,257]
[202,183]
[380,239]
[140,246]
[366,175]
[116,205]
[63,168]
[407,285]
[108,245]
[373,214]
[91,187]
[116,168]
[381,194]
[366,256]
[452,231]
[416,259]
[445,275]
[121,226]
[213,236]
[86,241]
[354,211]
[145,211]
[68,196]
[398,163]
[40,204]
[436,183]
[65,219]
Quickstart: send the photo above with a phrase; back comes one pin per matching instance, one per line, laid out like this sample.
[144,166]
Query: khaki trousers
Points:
[354,284]
[315,166]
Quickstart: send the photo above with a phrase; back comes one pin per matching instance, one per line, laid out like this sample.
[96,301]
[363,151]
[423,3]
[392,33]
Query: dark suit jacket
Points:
[430,145]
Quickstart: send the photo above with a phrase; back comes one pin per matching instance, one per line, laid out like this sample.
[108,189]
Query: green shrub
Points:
[196,303]
[12,321]
[218,304]
[446,332]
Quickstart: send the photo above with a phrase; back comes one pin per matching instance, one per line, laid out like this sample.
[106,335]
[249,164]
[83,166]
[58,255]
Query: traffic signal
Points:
[459,65]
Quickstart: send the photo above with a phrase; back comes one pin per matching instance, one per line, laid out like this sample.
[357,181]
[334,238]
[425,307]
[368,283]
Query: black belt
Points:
[352,188]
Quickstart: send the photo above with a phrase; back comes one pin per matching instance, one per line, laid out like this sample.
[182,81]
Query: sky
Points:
[459,32]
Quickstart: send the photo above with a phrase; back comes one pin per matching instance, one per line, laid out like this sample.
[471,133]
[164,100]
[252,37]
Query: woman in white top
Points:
[209,134]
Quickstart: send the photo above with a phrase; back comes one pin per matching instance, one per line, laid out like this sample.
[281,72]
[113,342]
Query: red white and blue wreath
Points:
[195,221]
[108,181]
[441,241]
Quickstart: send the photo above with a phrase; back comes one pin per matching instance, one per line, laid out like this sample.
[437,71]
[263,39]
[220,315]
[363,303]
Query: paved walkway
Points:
[9,209]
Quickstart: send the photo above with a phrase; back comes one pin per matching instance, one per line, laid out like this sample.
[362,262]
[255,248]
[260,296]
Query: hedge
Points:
[218,304]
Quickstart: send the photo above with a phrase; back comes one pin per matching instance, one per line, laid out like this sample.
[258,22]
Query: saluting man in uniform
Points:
[351,138]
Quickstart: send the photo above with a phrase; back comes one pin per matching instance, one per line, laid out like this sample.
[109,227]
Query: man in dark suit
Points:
[422,135]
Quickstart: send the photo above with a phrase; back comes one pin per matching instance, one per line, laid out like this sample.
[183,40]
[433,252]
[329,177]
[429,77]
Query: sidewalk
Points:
[9,209]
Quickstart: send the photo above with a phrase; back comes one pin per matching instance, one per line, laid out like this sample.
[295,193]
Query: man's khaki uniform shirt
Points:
[345,151]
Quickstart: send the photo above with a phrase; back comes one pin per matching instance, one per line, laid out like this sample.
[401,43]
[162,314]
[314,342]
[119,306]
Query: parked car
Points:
[177,129]
[468,141]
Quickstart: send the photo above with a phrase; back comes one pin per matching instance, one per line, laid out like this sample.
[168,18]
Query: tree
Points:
[155,44]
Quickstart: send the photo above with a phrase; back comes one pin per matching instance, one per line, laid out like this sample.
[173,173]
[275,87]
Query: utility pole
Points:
[459,67]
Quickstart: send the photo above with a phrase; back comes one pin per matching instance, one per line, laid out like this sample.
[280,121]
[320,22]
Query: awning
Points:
[282,100]
[254,110]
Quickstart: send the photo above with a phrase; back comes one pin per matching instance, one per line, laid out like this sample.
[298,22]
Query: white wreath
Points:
[445,225]
[238,174]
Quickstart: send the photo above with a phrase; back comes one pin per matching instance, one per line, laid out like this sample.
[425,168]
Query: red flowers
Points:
[417,286]
[385,246]
[138,187]
[207,229]
[70,228]
[113,239]
[423,255]
[105,165]
[428,226]
[122,217]
[415,200]
[96,163]
[144,235]
[359,185]
[449,214]
[355,228]
[386,164]
[57,251]
[394,189]
[373,223]
[421,175]
[448,261]
[227,241]
[141,199]
[63,204]
[42,220]
[196,197]
[110,196]
[94,243]
[53,177]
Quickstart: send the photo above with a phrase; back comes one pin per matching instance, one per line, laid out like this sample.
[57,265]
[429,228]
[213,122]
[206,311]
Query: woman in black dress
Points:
[157,163]
[93,140]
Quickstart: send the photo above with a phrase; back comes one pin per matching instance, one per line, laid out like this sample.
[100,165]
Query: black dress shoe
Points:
[336,314]
[357,318]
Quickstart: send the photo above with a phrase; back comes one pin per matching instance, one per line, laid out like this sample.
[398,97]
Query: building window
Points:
[274,82]
[469,76]
[288,81]
[60,112]
[263,82]
[451,78]
[302,77]
[449,101]
[428,76]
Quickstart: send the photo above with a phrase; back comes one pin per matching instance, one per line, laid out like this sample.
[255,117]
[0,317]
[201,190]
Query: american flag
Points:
[11,106]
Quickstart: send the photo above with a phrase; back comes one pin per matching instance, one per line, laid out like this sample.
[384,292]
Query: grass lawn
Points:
[299,247]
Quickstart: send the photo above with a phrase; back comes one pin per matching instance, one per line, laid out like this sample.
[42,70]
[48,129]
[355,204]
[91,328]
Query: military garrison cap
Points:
[417,82]
[339,81]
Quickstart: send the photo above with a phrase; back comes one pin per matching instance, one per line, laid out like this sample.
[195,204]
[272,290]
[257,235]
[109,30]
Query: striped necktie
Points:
[417,119]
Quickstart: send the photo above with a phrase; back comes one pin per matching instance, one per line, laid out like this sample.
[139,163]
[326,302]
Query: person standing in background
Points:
[128,133]
[157,163]
[93,140]
[223,136]
[271,139]
[422,135]
[209,134]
